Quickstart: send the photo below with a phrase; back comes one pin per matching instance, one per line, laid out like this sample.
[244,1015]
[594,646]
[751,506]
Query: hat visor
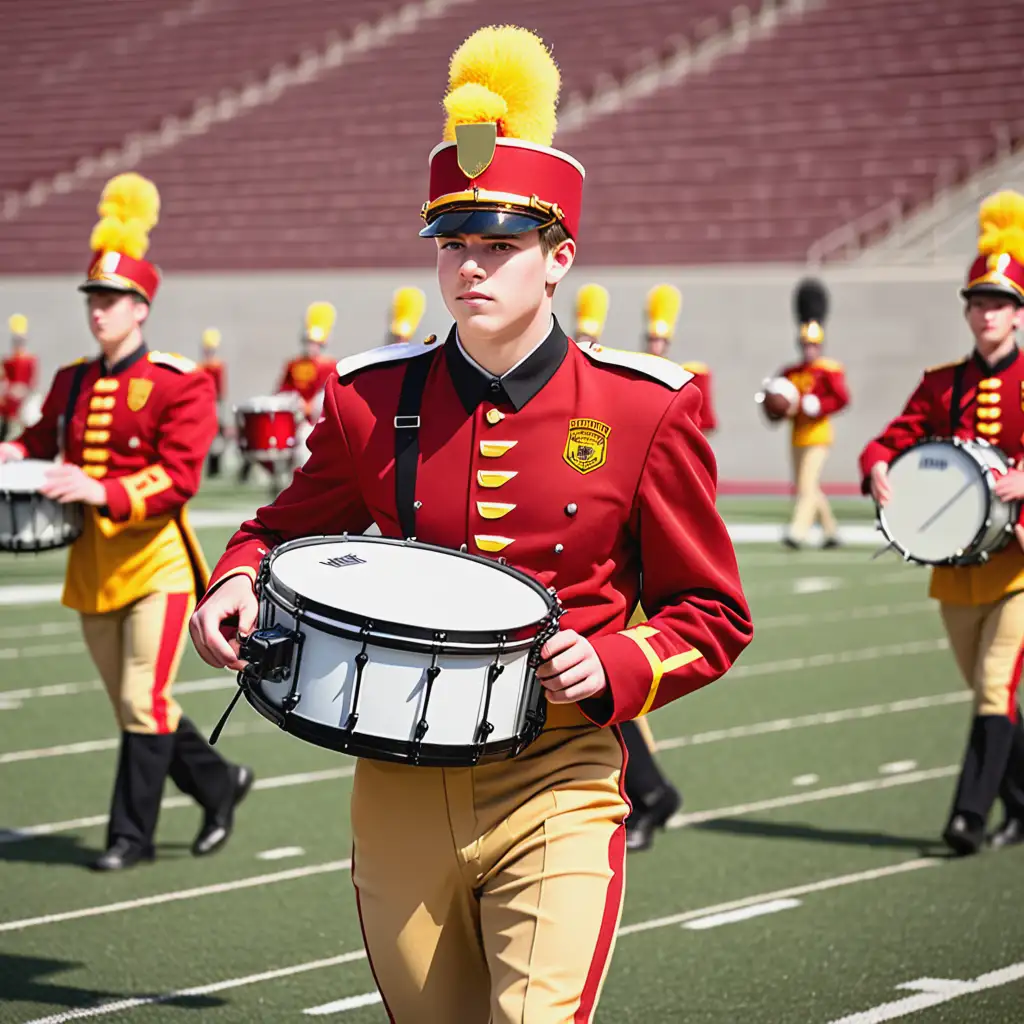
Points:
[482,222]
[992,288]
[100,285]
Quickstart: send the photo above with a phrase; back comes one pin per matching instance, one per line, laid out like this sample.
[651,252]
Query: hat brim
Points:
[110,286]
[482,222]
[991,288]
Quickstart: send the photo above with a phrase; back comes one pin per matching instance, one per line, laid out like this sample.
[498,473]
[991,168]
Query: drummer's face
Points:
[993,319]
[497,283]
[114,315]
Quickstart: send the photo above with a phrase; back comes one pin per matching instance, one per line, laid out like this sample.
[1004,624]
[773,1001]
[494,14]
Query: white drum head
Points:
[286,401]
[24,477]
[421,587]
[939,501]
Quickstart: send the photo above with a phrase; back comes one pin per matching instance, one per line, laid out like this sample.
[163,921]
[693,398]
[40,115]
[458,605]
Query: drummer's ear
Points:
[141,310]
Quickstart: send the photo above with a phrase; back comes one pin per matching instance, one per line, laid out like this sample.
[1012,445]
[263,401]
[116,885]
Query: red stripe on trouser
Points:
[1018,666]
[366,945]
[612,902]
[170,638]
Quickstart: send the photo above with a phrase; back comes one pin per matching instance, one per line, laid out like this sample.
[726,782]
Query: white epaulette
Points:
[387,354]
[655,367]
[180,363]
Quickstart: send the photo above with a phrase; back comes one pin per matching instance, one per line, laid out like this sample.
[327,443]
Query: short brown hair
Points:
[552,236]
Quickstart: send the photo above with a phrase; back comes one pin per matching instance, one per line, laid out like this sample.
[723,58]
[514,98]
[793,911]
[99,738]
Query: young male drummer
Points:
[823,392]
[982,606]
[17,376]
[664,301]
[582,467]
[133,427]
[407,308]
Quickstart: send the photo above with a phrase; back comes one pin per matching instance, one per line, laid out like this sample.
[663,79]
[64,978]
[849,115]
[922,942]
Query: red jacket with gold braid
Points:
[19,374]
[707,420]
[307,376]
[991,408]
[143,428]
[825,379]
[583,467]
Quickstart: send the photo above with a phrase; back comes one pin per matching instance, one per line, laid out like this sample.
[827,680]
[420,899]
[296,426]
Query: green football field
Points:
[801,884]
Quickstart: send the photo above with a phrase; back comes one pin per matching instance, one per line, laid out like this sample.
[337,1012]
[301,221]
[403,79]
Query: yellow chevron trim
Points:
[489,542]
[493,509]
[106,384]
[495,449]
[493,477]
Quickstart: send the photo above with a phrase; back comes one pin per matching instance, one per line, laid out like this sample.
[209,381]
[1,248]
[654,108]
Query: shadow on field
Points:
[808,833]
[23,979]
[62,849]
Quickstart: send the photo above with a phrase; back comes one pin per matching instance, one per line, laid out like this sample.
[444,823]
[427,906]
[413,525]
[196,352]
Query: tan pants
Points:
[137,650]
[811,502]
[988,644]
[493,894]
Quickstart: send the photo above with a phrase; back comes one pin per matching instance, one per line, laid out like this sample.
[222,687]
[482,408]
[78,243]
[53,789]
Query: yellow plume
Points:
[18,324]
[407,308]
[320,320]
[591,310]
[504,74]
[664,302]
[130,208]
[1001,220]
[211,337]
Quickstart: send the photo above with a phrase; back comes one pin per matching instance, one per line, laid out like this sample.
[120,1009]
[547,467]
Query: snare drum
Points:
[943,509]
[28,520]
[267,427]
[399,651]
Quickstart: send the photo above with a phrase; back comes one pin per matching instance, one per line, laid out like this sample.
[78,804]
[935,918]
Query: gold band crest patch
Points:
[586,447]
[139,389]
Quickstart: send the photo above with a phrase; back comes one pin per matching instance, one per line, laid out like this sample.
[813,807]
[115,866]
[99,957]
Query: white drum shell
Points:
[943,508]
[28,520]
[393,691]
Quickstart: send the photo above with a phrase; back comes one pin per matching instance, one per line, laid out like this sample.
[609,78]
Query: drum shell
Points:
[32,522]
[266,429]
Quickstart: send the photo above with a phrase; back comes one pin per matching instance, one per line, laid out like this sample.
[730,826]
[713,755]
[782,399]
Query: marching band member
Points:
[133,427]
[407,308]
[18,377]
[982,606]
[581,466]
[307,374]
[821,384]
[664,302]
[213,367]
[591,314]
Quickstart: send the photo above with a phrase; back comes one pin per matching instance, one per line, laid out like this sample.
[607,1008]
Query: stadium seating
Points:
[825,120]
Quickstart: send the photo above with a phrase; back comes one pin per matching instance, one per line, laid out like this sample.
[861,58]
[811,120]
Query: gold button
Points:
[988,398]
[96,472]
[990,384]
[97,436]
[106,384]
[99,419]
[96,454]
[494,416]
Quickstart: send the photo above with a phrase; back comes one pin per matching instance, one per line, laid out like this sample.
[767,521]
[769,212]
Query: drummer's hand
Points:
[880,489]
[216,644]
[570,670]
[66,482]
[1010,486]
[10,452]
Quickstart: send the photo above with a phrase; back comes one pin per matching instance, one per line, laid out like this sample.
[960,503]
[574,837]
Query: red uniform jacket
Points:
[307,376]
[580,470]
[706,419]
[143,428]
[18,379]
[214,369]
[824,380]
[991,408]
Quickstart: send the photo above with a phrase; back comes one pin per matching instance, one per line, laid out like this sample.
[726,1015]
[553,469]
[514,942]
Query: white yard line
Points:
[72,689]
[281,853]
[701,924]
[41,651]
[936,991]
[18,835]
[822,885]
[344,1005]
[39,629]
[860,613]
[678,821]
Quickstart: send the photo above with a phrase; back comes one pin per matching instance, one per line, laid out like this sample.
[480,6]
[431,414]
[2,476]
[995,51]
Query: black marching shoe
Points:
[965,834]
[218,825]
[645,819]
[832,542]
[791,543]
[1010,833]
[121,854]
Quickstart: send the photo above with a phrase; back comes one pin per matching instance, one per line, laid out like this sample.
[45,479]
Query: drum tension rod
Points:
[432,673]
[493,671]
[361,659]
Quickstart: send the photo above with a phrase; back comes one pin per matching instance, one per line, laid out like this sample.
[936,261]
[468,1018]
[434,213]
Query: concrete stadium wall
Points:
[886,326]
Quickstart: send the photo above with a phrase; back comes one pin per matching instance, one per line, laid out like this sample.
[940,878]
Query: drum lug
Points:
[361,659]
[432,673]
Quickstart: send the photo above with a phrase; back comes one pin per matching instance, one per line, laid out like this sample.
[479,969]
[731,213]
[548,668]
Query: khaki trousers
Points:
[493,894]
[988,644]
[136,650]
[811,502]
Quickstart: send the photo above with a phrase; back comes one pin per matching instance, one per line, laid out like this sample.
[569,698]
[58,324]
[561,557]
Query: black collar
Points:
[517,386]
[1004,364]
[123,364]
